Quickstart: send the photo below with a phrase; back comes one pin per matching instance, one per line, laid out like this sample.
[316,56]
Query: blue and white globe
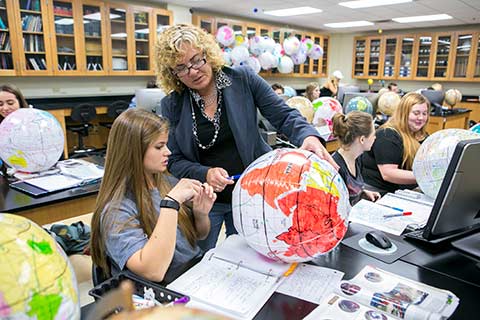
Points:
[31,140]
[432,159]
[360,104]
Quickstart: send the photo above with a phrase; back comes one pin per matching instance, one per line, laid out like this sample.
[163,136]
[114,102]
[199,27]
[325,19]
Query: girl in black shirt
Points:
[388,165]
[356,134]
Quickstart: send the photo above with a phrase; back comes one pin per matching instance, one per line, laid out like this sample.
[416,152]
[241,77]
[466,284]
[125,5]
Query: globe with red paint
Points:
[290,205]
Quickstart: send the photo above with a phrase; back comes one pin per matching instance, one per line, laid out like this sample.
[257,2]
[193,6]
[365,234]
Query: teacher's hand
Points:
[313,144]
[218,178]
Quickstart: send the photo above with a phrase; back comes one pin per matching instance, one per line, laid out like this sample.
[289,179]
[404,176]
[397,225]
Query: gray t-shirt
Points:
[122,242]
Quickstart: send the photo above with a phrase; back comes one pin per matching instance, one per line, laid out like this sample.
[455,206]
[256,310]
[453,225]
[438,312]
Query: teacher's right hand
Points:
[218,178]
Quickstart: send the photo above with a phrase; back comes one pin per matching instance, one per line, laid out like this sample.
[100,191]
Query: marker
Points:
[394,208]
[406,213]
[291,269]
[235,177]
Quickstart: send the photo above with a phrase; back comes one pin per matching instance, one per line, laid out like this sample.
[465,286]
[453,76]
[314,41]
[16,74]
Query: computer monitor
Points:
[344,89]
[371,96]
[456,210]
[149,99]
[435,97]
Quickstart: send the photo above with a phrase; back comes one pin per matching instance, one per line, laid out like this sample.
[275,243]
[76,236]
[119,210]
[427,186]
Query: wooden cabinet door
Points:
[93,46]
[65,21]
[8,43]
[207,23]
[423,57]
[405,57]
[463,55]
[161,19]
[359,57]
[120,33]
[325,45]
[442,56]
[33,37]
[389,58]
[144,38]
[476,57]
[373,58]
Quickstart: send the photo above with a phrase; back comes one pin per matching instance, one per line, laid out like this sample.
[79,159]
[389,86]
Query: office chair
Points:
[83,113]
[113,111]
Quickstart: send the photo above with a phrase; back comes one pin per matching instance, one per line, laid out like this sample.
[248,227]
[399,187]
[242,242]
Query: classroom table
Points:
[53,207]
[442,267]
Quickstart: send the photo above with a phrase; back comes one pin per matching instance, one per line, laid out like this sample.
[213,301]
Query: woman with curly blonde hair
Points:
[388,165]
[212,111]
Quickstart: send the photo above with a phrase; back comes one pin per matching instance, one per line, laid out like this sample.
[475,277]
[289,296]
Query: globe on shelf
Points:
[37,280]
[290,205]
[31,140]
[388,102]
[360,104]
[303,105]
[434,155]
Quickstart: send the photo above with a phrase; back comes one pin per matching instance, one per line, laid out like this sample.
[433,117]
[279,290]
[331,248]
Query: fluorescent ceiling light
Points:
[292,11]
[432,17]
[97,16]
[371,3]
[349,24]
[119,35]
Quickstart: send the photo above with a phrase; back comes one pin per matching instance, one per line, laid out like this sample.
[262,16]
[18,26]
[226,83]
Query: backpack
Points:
[74,238]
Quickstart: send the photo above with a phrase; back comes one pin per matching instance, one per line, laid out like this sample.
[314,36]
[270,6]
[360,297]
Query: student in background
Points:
[215,106]
[330,87]
[11,99]
[151,84]
[356,134]
[142,222]
[312,91]
[278,88]
[388,165]
[436,86]
[393,87]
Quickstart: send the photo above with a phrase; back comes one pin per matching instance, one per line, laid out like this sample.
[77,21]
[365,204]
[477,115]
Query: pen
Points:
[291,269]
[235,177]
[394,208]
[182,300]
[406,213]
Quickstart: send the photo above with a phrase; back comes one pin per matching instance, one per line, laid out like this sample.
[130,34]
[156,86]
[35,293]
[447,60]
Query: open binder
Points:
[68,174]
[231,279]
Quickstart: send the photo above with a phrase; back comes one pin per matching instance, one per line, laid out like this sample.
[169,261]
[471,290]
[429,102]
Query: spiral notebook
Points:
[231,279]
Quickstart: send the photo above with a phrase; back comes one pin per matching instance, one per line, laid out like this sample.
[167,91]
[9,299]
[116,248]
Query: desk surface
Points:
[12,201]
[445,269]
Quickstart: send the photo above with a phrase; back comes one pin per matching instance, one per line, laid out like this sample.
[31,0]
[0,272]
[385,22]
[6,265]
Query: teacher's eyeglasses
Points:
[195,63]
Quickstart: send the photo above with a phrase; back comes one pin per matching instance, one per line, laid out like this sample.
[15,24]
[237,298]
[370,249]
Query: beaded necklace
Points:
[215,120]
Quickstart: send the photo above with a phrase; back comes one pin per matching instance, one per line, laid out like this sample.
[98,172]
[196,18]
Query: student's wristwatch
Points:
[171,204]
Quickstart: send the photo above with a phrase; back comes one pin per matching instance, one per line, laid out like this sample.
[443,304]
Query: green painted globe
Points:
[37,280]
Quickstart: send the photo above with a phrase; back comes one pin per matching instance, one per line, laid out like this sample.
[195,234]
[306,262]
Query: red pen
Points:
[406,213]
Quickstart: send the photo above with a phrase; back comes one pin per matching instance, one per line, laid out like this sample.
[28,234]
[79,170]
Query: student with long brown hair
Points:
[11,99]
[356,134]
[388,165]
[141,221]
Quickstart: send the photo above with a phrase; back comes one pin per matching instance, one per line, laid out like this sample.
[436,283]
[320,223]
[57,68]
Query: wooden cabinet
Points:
[310,68]
[389,65]
[78,37]
[7,38]
[33,38]
[441,56]
[93,31]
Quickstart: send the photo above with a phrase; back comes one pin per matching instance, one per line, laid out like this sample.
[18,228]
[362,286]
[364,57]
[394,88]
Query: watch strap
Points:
[167,203]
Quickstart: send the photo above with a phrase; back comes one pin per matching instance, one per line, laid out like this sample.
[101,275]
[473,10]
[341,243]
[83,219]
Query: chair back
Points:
[116,108]
[83,113]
